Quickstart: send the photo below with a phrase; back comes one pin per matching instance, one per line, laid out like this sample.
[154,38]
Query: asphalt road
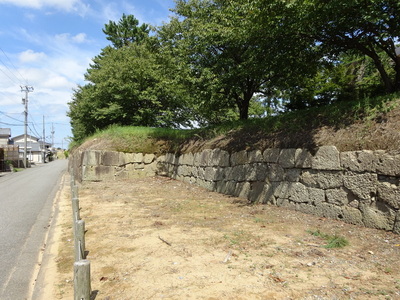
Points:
[26,205]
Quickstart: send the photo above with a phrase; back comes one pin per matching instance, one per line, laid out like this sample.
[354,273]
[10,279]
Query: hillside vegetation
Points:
[371,124]
[218,61]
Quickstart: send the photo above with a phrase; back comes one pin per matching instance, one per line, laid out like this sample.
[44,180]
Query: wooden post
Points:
[71,172]
[75,210]
[74,191]
[79,241]
[82,287]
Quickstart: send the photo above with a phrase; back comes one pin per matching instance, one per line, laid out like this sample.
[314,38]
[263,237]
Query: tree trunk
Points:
[244,111]
[397,78]
[243,104]
[389,86]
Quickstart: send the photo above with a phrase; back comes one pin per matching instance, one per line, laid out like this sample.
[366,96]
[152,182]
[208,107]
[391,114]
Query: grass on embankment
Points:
[349,125]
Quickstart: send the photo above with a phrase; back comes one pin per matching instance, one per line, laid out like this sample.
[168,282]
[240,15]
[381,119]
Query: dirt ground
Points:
[156,238]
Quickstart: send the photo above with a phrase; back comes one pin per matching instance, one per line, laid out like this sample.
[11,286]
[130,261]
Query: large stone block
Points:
[256,172]
[205,157]
[271,155]
[219,158]
[303,159]
[306,208]
[389,194]
[255,156]
[352,215]
[104,172]
[92,158]
[197,159]
[220,186]
[256,190]
[170,158]
[209,185]
[359,161]
[275,173]
[316,196]
[396,226]
[329,210]
[326,158]
[298,193]
[287,158]
[378,215]
[239,158]
[388,164]
[183,170]
[282,190]
[363,186]
[201,173]
[264,192]
[137,157]
[148,158]
[213,174]
[242,190]
[292,175]
[337,196]
[322,179]
[238,173]
[230,188]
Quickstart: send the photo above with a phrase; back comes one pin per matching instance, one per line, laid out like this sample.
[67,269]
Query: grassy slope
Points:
[369,124]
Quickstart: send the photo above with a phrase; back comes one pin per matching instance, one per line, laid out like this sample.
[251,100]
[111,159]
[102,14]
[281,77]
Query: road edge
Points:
[42,285]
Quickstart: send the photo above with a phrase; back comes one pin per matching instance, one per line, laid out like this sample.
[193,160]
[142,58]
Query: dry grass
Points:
[158,238]
[371,124]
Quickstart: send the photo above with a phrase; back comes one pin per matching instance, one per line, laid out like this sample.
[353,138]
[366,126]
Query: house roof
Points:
[5,132]
[18,137]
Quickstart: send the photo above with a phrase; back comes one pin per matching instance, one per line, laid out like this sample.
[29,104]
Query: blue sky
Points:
[49,44]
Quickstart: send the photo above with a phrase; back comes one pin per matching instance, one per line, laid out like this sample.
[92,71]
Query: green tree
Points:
[128,85]
[126,31]
[236,54]
[367,27]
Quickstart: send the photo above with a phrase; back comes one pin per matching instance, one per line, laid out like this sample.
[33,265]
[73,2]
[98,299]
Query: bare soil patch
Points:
[157,238]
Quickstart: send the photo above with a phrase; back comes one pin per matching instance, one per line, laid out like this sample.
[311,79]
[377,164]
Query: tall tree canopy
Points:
[126,31]
[222,47]
[128,85]
[218,60]
[367,27]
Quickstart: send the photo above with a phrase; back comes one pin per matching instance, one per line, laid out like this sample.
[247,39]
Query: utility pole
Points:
[27,90]
[52,135]
[44,142]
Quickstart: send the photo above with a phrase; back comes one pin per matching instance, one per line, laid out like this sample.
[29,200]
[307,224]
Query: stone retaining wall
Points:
[361,187]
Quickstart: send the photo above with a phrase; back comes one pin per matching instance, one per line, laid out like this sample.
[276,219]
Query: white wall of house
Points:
[34,148]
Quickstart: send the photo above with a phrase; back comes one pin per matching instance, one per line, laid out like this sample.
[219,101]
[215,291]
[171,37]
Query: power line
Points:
[15,119]
[23,78]
[8,124]
[34,127]
[8,76]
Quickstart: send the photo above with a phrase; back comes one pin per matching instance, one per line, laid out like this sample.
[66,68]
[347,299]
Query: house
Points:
[37,150]
[8,153]
[5,134]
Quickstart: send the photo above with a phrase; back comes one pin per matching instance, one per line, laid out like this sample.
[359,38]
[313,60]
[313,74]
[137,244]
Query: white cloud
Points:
[65,5]
[80,38]
[29,56]
[68,38]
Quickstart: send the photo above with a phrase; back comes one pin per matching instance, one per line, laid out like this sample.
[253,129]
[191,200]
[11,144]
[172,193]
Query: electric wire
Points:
[6,115]
[8,76]
[34,127]
[9,124]
[23,78]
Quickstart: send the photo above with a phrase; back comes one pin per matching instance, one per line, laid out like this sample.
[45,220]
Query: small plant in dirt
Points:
[333,241]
